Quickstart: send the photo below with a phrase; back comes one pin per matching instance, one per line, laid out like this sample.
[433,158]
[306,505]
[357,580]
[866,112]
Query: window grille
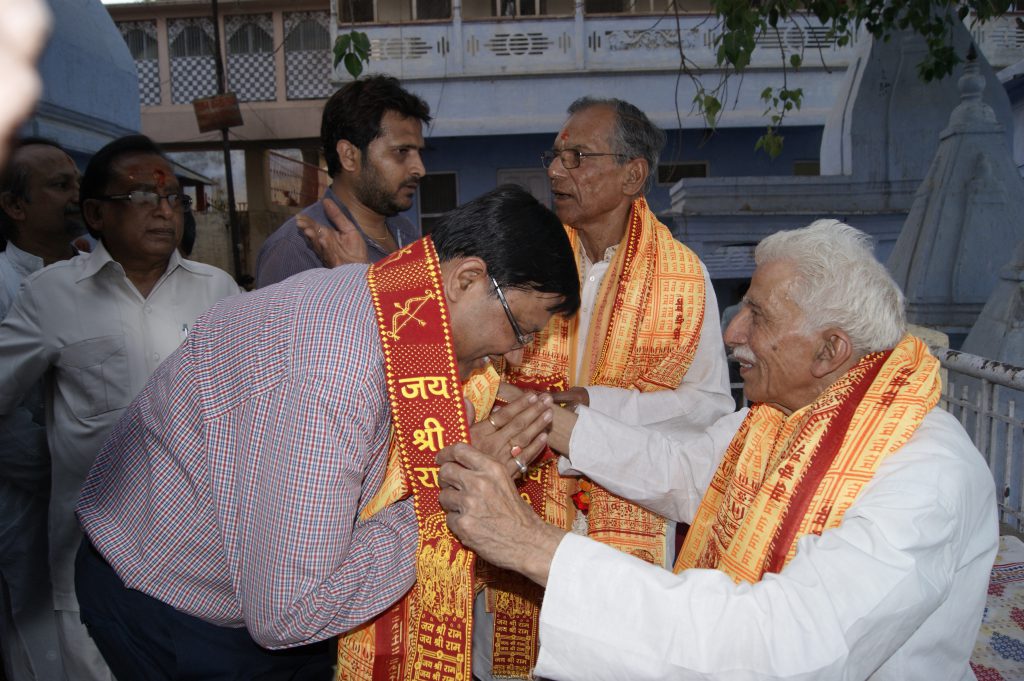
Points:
[250,39]
[192,41]
[140,44]
[308,35]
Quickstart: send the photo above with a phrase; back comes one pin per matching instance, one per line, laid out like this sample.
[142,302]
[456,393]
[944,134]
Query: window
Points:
[250,39]
[438,194]
[605,6]
[355,11]
[670,173]
[645,6]
[394,11]
[192,42]
[433,9]
[308,35]
[804,168]
[140,44]
[499,8]
[533,180]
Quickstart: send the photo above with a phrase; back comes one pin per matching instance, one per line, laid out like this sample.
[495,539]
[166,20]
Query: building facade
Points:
[498,75]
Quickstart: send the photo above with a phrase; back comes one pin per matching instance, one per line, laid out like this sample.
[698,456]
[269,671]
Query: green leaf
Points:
[339,51]
[361,42]
[711,108]
[795,61]
[770,143]
[353,65]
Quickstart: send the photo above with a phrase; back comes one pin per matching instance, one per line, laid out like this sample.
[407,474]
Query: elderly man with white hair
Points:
[842,527]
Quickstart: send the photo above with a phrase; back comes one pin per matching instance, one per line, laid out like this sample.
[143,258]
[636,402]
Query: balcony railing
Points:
[572,44]
[614,44]
[490,48]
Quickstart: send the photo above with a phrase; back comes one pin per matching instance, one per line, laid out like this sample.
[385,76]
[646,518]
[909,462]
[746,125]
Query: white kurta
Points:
[895,593]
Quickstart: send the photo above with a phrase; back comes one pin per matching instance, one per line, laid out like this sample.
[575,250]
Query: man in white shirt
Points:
[38,219]
[646,345]
[96,327]
[843,527]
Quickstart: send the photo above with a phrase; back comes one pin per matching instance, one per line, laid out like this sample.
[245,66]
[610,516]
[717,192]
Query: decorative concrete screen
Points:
[142,43]
[307,55]
[193,73]
[250,48]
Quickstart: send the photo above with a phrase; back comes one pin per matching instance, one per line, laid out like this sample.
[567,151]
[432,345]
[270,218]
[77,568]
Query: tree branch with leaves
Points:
[742,23]
[353,48]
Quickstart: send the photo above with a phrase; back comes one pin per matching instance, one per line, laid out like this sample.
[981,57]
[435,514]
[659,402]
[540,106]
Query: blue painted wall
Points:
[90,88]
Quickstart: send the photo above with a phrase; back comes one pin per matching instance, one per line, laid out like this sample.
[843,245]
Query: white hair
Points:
[840,283]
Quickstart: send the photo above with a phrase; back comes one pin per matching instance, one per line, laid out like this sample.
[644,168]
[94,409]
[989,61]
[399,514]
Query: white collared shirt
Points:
[83,325]
[15,265]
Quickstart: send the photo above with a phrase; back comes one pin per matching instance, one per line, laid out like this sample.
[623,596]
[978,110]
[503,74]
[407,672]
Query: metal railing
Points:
[983,394]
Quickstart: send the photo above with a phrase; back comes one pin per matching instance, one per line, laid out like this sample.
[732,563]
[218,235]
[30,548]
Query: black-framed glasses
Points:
[571,158]
[148,199]
[522,339]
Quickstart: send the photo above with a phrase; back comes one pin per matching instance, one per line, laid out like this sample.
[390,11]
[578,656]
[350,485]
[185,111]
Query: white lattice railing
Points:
[983,394]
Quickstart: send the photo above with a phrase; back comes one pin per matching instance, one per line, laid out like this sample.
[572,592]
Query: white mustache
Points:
[742,353]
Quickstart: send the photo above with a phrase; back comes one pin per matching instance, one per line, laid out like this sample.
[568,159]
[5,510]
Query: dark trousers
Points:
[144,639]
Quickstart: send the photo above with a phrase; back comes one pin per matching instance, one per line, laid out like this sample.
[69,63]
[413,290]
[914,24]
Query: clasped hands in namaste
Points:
[483,507]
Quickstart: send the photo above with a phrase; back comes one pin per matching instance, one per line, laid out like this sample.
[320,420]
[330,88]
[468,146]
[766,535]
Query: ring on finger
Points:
[522,466]
[490,420]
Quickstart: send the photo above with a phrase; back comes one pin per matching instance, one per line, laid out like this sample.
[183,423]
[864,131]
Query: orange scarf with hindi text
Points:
[643,335]
[783,477]
[426,634]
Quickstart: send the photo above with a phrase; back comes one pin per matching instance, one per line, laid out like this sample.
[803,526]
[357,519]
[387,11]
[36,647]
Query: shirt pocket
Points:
[92,376]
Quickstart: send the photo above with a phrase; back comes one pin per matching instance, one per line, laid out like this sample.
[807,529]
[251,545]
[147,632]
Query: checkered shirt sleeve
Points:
[231,487]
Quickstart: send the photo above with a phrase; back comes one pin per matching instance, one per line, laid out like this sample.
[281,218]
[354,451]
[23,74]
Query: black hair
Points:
[14,181]
[354,113]
[99,173]
[522,242]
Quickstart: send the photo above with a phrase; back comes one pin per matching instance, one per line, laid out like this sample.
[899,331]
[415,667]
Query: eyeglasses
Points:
[571,157]
[147,199]
[522,339]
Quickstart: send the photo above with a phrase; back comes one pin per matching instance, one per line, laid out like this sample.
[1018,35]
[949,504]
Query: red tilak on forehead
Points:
[565,135]
[159,178]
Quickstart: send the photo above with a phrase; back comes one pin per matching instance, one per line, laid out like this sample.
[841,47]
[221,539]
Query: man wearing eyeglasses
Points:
[274,484]
[95,327]
[646,347]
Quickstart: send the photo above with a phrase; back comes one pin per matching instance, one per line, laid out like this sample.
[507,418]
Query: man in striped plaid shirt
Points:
[222,516]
